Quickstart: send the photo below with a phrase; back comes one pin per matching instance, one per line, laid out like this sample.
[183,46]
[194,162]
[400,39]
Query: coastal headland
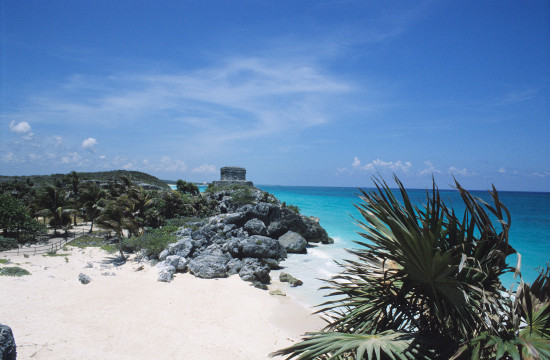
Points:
[206,294]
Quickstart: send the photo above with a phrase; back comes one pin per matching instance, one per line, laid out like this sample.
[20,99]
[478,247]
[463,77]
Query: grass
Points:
[4,261]
[92,241]
[13,271]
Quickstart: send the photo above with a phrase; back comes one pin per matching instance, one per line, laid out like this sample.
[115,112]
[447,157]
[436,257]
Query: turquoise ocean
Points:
[334,206]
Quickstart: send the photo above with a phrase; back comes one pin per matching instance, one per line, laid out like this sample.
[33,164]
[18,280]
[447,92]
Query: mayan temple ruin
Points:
[231,175]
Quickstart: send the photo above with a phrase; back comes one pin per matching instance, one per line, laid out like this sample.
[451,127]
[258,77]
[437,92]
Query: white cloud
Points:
[456,171]
[9,157]
[204,169]
[58,140]
[380,165]
[430,170]
[71,158]
[23,128]
[356,162]
[167,164]
[502,170]
[102,157]
[89,144]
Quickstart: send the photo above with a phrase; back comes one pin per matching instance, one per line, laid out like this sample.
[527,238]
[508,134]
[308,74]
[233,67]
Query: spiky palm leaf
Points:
[422,271]
[343,346]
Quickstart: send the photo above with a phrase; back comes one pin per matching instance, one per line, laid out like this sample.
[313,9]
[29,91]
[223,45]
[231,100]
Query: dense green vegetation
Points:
[16,222]
[122,206]
[426,285]
[103,176]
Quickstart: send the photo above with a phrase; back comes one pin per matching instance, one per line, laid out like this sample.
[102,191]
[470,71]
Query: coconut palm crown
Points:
[425,284]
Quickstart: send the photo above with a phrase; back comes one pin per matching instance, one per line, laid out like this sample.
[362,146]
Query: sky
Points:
[325,93]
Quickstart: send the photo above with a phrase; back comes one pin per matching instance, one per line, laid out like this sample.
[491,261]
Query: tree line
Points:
[121,206]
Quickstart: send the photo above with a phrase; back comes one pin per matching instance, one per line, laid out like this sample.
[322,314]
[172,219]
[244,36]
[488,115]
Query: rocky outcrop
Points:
[247,238]
[8,350]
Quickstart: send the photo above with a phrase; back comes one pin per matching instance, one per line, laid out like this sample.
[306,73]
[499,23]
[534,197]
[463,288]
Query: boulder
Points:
[184,247]
[234,266]
[293,242]
[163,254]
[258,246]
[234,218]
[166,273]
[8,350]
[314,232]
[284,277]
[209,266]
[255,227]
[253,270]
[178,262]
[84,279]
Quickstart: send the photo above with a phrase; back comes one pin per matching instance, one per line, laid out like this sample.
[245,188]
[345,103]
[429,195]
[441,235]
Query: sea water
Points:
[334,206]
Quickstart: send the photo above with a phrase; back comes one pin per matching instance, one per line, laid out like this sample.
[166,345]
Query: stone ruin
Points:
[231,175]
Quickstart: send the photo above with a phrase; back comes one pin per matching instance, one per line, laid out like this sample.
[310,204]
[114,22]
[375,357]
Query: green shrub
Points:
[216,188]
[242,197]
[292,208]
[7,243]
[13,271]
[4,261]
[152,242]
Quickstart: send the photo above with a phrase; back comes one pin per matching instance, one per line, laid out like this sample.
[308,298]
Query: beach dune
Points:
[125,313]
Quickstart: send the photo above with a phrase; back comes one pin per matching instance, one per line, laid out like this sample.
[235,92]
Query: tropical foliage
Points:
[426,285]
[15,220]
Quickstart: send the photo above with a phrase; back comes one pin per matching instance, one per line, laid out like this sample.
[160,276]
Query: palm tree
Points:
[425,285]
[92,198]
[54,202]
[114,217]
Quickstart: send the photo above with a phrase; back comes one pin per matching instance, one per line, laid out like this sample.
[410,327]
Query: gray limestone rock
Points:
[284,277]
[8,349]
[255,227]
[258,246]
[209,266]
[163,255]
[166,273]
[84,279]
[253,270]
[172,260]
[293,242]
[234,266]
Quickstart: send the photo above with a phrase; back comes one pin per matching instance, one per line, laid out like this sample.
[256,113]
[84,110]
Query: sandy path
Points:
[127,314]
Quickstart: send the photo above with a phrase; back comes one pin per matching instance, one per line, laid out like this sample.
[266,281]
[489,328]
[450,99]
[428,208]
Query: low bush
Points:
[151,242]
[7,243]
[242,197]
[13,271]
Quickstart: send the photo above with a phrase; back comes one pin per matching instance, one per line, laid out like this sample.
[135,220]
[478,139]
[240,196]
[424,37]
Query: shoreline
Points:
[127,314]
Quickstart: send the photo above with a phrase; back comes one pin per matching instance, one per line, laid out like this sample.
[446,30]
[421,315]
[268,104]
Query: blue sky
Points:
[298,92]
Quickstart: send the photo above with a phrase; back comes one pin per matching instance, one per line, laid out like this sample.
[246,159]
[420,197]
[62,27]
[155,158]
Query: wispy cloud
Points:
[463,172]
[237,99]
[378,164]
[204,169]
[429,170]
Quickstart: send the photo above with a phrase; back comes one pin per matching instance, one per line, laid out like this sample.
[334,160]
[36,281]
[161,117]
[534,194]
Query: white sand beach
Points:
[127,314]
